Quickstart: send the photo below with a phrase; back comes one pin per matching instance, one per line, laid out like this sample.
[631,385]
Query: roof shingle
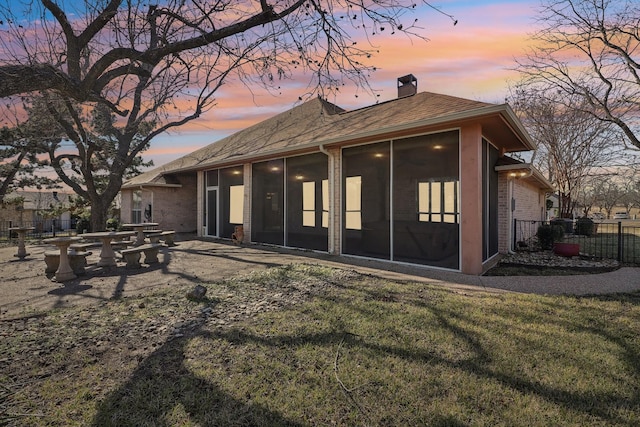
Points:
[313,123]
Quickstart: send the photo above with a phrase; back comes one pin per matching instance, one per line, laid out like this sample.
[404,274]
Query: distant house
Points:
[421,179]
[40,209]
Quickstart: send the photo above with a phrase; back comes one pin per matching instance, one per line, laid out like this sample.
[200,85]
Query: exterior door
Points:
[212,211]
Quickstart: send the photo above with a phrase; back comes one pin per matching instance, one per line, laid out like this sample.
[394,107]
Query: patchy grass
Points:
[308,345]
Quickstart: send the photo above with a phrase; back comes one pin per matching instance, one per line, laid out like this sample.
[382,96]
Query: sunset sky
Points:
[473,59]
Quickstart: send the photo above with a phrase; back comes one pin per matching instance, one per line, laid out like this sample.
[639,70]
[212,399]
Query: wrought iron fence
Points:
[41,229]
[607,240]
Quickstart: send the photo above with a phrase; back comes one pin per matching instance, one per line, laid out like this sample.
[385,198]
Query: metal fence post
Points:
[620,246]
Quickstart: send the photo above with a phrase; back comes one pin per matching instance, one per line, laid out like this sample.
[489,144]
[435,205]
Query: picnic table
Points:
[107,255]
[22,232]
[139,229]
[64,271]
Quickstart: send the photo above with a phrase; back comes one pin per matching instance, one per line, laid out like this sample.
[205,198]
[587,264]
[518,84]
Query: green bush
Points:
[83,225]
[113,224]
[564,223]
[549,234]
[584,227]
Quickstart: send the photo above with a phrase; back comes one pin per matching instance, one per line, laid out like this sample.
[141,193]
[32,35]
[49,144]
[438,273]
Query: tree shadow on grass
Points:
[234,253]
[163,391]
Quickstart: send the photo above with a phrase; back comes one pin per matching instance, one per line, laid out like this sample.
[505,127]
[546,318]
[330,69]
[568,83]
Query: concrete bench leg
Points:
[52,260]
[151,255]
[132,259]
[77,263]
[168,240]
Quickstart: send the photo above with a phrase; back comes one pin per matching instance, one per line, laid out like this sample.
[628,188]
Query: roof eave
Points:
[149,184]
[503,110]
[531,172]
[514,122]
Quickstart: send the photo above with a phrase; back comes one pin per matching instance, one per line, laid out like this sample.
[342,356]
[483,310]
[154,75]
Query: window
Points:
[309,204]
[438,201]
[236,204]
[353,210]
[136,207]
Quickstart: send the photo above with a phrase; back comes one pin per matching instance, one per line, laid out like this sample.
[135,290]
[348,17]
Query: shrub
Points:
[113,224]
[564,223]
[549,234]
[584,227]
[83,225]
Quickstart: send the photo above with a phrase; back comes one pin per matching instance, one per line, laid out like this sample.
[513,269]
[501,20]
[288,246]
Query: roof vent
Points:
[407,85]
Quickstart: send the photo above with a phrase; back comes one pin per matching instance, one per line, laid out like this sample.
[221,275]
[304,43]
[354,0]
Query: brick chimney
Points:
[407,85]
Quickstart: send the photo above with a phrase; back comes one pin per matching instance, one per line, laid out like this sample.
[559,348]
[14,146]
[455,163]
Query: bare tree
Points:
[608,194]
[590,48]
[572,143]
[629,186]
[143,69]
[586,197]
[84,57]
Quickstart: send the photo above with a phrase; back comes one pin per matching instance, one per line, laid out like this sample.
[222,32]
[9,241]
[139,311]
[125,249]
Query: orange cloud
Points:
[474,59]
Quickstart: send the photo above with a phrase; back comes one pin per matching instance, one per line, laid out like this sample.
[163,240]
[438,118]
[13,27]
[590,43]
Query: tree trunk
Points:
[99,214]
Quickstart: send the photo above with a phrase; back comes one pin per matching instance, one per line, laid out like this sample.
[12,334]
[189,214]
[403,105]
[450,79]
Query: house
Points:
[421,179]
[40,209]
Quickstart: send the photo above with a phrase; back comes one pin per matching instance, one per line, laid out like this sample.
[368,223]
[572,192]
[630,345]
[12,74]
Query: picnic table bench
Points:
[82,247]
[132,255]
[115,244]
[166,236]
[77,261]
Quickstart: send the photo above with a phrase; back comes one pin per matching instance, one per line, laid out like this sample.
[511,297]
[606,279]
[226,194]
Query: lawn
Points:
[309,345]
[607,242]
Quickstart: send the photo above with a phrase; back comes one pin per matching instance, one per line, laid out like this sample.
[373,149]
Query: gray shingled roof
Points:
[319,122]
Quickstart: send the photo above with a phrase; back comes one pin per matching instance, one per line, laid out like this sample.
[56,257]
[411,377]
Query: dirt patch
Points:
[546,263]
[27,291]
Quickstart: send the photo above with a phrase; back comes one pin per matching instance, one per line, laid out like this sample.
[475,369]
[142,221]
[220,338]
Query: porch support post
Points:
[201,198]
[246,211]
[335,207]
[471,198]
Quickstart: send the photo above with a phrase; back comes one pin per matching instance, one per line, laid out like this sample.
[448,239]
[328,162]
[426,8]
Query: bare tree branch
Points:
[590,48]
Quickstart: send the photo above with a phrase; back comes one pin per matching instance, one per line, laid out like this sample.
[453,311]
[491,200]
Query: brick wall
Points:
[176,208]
[8,213]
[504,206]
[529,206]
[173,208]
[126,201]
[529,201]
